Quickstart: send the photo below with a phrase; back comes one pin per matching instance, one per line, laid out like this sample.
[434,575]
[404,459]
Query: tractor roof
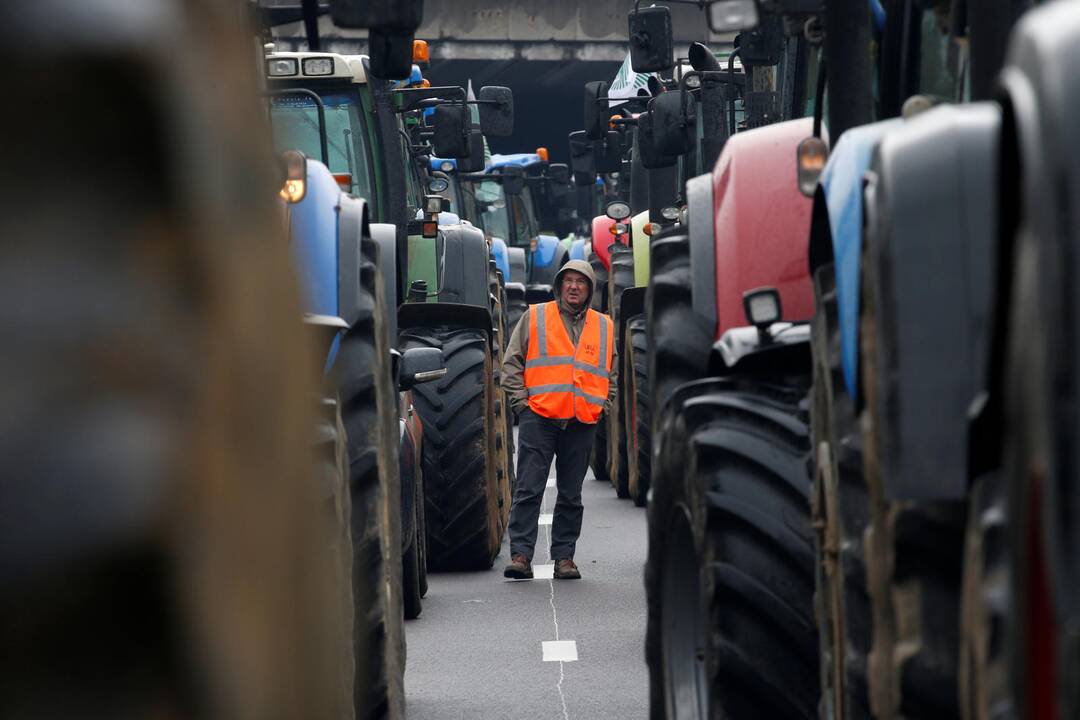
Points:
[346,67]
[515,159]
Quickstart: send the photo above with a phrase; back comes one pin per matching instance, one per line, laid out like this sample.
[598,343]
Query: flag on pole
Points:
[627,84]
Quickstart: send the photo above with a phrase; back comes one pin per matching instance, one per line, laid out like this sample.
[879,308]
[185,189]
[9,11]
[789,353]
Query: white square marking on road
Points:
[545,518]
[544,572]
[559,650]
[550,482]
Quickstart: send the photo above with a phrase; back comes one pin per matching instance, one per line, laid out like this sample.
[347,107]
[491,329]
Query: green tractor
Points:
[436,270]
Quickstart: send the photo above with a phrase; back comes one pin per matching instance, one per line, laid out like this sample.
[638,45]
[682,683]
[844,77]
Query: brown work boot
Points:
[565,569]
[519,568]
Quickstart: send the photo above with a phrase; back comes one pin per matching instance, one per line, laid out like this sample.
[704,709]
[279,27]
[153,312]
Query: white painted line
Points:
[545,518]
[559,650]
[544,572]
[550,482]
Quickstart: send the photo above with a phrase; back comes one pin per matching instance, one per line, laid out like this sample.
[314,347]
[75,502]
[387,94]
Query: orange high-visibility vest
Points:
[565,382]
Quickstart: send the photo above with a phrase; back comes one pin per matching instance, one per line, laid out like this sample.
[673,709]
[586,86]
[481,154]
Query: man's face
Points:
[575,289]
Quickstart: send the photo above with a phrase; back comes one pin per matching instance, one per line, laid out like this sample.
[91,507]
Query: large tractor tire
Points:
[730,572]
[914,560]
[679,340]
[414,558]
[621,278]
[369,410]
[598,458]
[331,453]
[464,502]
[986,604]
[638,419]
[504,421]
[840,516]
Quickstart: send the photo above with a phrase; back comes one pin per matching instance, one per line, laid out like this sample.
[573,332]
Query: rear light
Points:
[617,229]
[344,181]
[294,186]
[430,229]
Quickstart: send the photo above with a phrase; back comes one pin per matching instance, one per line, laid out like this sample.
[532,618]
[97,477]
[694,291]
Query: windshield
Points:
[295,122]
[490,208]
[524,218]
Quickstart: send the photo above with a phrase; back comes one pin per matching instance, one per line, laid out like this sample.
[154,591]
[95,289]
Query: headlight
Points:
[319,66]
[693,82]
[282,67]
[446,166]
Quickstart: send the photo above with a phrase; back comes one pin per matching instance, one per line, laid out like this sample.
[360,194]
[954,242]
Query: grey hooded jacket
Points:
[513,368]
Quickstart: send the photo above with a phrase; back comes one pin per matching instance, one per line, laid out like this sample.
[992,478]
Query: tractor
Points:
[943,575]
[166,532]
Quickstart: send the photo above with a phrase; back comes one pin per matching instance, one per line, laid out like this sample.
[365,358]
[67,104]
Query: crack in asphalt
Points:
[555,618]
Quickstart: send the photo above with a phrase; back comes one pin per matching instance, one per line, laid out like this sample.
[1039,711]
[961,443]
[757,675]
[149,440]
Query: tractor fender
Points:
[602,239]
[577,249]
[353,227]
[516,258]
[842,186]
[385,236]
[445,314]
[700,219]
[501,257]
[313,228]
[931,243]
[640,245]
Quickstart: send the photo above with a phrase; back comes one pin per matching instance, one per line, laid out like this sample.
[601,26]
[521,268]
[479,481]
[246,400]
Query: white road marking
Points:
[550,482]
[544,572]
[560,650]
[545,518]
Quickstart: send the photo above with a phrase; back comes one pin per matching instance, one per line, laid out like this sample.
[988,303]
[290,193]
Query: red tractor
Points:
[729,577]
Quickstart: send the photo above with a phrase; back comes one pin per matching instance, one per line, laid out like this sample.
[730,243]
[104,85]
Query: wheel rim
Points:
[685,677]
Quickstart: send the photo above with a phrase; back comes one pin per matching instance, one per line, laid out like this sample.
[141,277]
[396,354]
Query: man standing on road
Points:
[560,372]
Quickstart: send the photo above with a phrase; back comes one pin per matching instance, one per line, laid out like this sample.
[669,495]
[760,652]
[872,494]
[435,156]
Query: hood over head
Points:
[577,266]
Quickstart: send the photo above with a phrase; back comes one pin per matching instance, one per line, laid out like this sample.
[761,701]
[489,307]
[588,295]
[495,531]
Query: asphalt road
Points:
[476,651]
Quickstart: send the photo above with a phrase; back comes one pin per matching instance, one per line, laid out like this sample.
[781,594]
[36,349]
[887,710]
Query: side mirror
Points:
[496,111]
[559,173]
[475,161]
[595,119]
[451,140]
[391,54]
[609,153]
[672,122]
[651,156]
[419,365]
[728,16]
[582,159]
[513,181]
[558,180]
[378,14]
[652,47]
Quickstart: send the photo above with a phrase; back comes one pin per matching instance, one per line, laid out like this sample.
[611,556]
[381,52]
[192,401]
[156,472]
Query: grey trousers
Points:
[538,440]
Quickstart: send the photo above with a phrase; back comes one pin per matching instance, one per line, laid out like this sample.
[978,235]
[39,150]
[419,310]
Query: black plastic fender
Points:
[538,293]
[463,265]
[441,314]
[700,221]
[931,237]
[631,303]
